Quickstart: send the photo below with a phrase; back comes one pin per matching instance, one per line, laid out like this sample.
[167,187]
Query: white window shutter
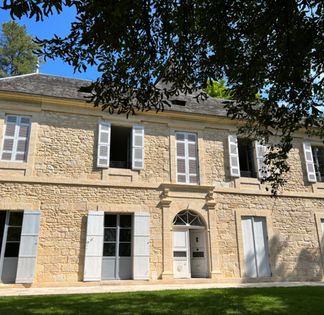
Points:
[248,248]
[28,247]
[261,247]
[141,248]
[260,152]
[233,156]
[103,154]
[138,147]
[322,232]
[310,168]
[94,246]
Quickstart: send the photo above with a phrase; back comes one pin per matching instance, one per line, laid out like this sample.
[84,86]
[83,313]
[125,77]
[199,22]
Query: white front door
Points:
[181,254]
[198,254]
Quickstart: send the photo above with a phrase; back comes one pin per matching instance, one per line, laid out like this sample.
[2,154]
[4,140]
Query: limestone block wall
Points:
[64,210]
[294,240]
[66,146]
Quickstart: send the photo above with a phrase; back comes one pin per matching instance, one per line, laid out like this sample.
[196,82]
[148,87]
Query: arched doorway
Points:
[189,246]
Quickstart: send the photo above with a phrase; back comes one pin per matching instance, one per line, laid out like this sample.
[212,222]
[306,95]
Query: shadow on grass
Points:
[302,300]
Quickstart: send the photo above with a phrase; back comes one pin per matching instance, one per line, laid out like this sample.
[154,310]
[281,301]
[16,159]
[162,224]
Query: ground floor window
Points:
[117,247]
[10,234]
[255,246]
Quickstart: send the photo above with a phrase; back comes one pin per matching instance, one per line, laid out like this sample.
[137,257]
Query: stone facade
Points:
[61,179]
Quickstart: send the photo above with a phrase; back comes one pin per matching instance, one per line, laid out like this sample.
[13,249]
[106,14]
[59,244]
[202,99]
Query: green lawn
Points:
[300,300]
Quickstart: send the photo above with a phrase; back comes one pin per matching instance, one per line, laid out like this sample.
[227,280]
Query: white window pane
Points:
[192,150]
[191,137]
[181,166]
[181,178]
[193,179]
[10,130]
[22,145]
[20,156]
[6,156]
[23,131]
[25,120]
[8,144]
[180,136]
[192,166]
[180,149]
[11,119]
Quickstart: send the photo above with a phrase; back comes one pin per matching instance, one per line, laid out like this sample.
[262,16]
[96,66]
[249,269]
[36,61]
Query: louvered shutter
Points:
[186,155]
[94,246]
[103,154]
[141,250]
[192,160]
[310,168]
[322,232]
[16,137]
[28,247]
[138,147]
[181,157]
[260,152]
[233,156]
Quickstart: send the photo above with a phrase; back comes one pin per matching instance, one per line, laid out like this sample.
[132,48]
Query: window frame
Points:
[187,158]
[319,175]
[16,137]
[249,160]
[243,212]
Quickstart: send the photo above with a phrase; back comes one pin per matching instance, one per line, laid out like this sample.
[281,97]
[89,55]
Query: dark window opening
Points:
[318,157]
[2,227]
[178,102]
[246,157]
[120,147]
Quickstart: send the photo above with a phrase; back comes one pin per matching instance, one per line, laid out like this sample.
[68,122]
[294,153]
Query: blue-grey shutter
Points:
[233,156]
[103,153]
[310,168]
[138,147]
[141,247]
[94,246]
[28,247]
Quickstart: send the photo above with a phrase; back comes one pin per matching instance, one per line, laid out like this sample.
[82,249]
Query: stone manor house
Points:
[91,197]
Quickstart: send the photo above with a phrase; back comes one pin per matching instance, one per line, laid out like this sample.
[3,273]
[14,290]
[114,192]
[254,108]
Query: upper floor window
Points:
[187,158]
[120,147]
[15,138]
[314,157]
[246,157]
[318,157]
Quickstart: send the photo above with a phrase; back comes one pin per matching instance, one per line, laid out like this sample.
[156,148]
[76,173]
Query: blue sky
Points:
[59,25]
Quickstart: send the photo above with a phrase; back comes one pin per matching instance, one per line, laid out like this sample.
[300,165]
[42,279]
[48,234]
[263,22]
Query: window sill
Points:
[318,187]
[247,183]
[120,175]
[13,165]
[13,168]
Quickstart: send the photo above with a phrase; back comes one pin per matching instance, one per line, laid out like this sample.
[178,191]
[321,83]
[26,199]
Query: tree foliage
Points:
[16,50]
[272,47]
[218,89]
